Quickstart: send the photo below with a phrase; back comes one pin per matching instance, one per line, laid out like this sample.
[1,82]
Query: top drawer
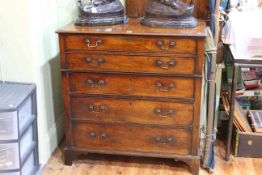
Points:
[9,121]
[129,43]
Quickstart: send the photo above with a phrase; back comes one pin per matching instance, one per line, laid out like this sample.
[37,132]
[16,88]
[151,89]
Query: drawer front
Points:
[129,43]
[8,126]
[124,63]
[139,138]
[150,86]
[9,129]
[9,156]
[135,111]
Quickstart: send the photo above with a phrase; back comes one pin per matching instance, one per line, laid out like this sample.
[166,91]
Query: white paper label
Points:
[93,10]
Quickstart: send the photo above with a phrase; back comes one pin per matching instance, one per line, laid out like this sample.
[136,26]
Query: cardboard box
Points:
[247,144]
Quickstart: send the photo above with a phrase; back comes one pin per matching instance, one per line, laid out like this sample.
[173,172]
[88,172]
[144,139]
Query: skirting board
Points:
[51,140]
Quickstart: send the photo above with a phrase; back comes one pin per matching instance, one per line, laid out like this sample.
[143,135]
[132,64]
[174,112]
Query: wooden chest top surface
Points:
[135,28]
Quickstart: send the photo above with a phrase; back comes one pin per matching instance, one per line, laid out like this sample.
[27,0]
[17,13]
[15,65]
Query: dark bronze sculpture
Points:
[101,12]
[169,13]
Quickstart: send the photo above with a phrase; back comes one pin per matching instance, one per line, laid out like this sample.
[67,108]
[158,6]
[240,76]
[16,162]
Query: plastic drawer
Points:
[9,153]
[30,165]
[8,126]
[9,156]
[18,129]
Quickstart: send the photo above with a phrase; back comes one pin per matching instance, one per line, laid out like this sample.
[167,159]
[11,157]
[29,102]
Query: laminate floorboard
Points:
[93,164]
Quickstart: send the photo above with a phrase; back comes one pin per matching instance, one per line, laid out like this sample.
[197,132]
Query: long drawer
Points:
[127,43]
[134,111]
[140,138]
[125,63]
[10,152]
[151,86]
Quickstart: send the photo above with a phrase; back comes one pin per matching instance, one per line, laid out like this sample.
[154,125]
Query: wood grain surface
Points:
[149,86]
[127,43]
[135,28]
[132,111]
[131,63]
[131,137]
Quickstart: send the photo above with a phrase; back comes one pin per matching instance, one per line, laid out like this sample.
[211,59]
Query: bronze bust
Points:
[169,13]
[101,12]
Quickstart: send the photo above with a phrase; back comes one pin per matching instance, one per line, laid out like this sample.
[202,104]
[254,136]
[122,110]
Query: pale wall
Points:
[51,16]
[30,53]
[14,45]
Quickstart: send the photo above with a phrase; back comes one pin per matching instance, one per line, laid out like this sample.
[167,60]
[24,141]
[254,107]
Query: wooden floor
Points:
[118,165]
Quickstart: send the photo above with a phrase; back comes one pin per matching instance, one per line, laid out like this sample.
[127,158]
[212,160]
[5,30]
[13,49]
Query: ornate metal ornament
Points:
[169,13]
[101,12]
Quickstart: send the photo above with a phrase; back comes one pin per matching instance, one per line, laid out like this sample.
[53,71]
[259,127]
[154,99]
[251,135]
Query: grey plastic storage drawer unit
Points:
[18,129]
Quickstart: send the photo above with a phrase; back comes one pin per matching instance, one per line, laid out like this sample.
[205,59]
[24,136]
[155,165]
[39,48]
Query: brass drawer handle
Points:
[95,83]
[98,61]
[165,113]
[93,135]
[90,45]
[161,45]
[96,109]
[101,60]
[164,88]
[167,65]
[171,44]
[103,136]
[164,140]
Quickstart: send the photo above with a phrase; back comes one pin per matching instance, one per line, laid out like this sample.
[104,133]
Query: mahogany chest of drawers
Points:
[132,90]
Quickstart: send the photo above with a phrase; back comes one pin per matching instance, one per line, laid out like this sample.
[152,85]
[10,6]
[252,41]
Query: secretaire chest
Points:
[132,90]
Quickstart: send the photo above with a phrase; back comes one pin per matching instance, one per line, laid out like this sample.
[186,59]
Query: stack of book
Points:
[244,120]
[250,79]
[248,102]
[240,119]
[256,120]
